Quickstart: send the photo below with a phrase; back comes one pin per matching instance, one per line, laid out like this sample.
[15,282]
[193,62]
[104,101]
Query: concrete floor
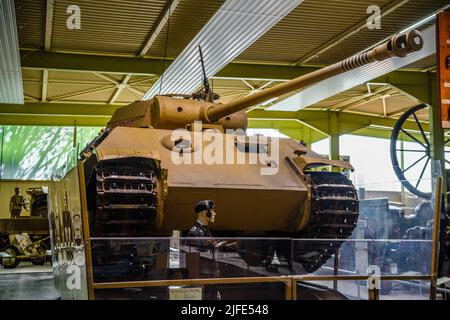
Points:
[27,282]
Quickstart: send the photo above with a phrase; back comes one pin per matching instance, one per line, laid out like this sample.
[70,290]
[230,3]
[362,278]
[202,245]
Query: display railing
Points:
[266,268]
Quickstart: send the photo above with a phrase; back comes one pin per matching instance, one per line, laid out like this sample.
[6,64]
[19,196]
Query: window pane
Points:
[38,152]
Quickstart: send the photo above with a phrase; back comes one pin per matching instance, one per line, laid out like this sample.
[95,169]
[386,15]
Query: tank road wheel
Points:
[127,197]
[13,262]
[334,214]
[417,156]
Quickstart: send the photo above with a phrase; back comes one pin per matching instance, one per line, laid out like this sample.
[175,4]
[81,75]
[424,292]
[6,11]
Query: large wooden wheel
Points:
[421,149]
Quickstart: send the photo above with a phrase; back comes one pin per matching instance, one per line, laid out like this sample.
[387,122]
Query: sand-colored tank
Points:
[136,185]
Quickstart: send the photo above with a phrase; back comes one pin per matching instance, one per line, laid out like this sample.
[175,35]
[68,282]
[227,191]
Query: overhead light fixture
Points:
[342,82]
[11,90]
[232,29]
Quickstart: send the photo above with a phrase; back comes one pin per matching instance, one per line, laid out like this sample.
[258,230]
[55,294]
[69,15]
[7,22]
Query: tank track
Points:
[126,200]
[334,214]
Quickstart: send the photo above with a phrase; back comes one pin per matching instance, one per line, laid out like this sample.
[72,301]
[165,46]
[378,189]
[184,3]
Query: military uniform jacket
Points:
[199,230]
[16,202]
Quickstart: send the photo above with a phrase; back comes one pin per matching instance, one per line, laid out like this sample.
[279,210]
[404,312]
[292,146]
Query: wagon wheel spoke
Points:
[414,138]
[421,130]
[421,174]
[409,150]
[414,164]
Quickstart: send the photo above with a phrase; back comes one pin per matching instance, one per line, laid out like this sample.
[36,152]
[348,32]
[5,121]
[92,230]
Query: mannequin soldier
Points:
[16,203]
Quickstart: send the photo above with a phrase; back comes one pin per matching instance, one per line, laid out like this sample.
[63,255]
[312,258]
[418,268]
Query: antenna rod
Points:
[205,79]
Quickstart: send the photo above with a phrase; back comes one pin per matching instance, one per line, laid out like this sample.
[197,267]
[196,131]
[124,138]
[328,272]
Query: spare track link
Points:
[334,214]
[126,200]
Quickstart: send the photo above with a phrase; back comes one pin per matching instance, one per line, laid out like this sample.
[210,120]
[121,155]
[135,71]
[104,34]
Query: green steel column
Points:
[334,136]
[75,135]
[437,133]
[306,135]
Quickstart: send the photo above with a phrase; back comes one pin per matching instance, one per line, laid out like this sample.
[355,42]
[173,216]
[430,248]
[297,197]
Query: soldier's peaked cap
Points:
[203,205]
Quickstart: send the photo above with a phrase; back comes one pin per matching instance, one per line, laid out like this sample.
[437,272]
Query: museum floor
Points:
[28,282]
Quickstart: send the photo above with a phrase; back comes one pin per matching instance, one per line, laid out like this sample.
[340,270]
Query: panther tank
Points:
[137,187]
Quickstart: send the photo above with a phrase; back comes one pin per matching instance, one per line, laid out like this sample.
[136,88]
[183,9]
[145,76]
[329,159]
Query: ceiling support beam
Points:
[370,99]
[63,109]
[47,44]
[52,120]
[132,83]
[48,24]
[415,83]
[107,78]
[44,85]
[135,90]
[122,85]
[82,92]
[56,114]
[348,122]
[342,105]
[390,7]
[158,28]
[58,61]
[398,112]
[31,98]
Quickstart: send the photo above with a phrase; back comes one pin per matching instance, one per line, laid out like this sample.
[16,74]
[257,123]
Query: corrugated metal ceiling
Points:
[186,21]
[312,24]
[30,23]
[396,21]
[122,26]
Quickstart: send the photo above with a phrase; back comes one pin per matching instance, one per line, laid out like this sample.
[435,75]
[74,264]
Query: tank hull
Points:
[245,199]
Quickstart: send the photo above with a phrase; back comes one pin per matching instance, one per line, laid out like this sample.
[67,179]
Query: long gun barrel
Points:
[398,45]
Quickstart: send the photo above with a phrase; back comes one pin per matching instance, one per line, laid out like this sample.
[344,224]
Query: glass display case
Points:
[388,256]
